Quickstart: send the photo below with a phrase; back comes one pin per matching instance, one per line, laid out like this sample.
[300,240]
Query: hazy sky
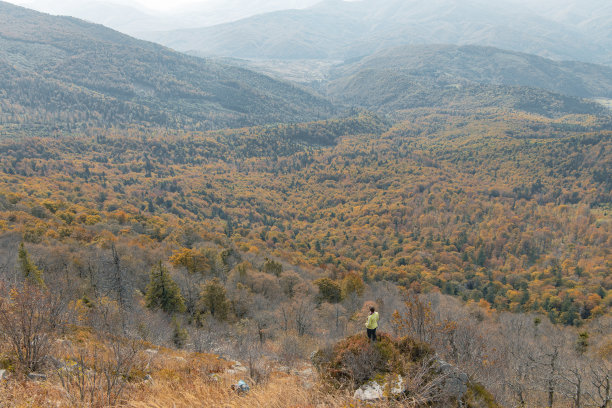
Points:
[160,5]
[165,5]
[160,15]
[157,5]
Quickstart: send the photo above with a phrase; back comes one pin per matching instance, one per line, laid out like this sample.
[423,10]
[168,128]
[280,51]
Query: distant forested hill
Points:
[468,77]
[65,72]
[488,65]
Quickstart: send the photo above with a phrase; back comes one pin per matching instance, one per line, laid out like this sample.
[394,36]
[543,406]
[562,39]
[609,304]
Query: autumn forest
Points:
[170,225]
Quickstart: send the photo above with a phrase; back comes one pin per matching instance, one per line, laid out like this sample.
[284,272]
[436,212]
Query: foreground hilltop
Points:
[79,362]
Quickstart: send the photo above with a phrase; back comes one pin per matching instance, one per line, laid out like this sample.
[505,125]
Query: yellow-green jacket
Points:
[372,322]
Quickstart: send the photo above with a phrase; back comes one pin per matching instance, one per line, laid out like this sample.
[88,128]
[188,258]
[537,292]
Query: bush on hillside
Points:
[355,360]
[406,369]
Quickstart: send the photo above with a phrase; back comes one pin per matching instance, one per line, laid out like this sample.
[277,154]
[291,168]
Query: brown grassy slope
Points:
[180,379]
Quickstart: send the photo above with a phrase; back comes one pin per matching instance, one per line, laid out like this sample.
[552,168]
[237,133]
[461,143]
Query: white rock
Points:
[398,386]
[307,373]
[37,377]
[3,375]
[64,343]
[369,392]
[240,369]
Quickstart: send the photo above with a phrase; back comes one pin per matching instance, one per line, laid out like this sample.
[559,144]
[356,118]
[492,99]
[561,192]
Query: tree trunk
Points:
[578,392]
[551,395]
[607,401]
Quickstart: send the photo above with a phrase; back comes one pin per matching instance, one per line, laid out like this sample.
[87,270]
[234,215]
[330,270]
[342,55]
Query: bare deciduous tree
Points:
[28,317]
[97,376]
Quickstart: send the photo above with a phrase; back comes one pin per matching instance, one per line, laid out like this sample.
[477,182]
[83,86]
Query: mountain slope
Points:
[340,29]
[490,65]
[131,18]
[288,34]
[468,77]
[59,69]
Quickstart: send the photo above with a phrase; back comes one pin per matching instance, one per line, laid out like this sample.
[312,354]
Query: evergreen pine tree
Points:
[213,299]
[179,335]
[162,292]
[30,271]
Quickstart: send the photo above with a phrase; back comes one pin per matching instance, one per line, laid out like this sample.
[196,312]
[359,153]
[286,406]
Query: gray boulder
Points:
[454,383]
[3,375]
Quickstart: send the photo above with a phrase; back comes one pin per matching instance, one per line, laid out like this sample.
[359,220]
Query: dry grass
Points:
[279,392]
[180,379]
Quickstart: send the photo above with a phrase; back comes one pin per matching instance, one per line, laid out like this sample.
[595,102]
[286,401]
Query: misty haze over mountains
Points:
[55,67]
[131,17]
[374,54]
[338,30]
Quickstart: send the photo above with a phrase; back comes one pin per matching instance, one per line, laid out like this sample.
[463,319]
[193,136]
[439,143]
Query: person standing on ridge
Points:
[372,324]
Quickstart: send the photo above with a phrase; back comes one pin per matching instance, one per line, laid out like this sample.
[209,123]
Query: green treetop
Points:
[29,270]
[213,299]
[162,292]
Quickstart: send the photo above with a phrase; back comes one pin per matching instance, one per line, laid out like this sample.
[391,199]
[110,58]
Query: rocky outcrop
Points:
[393,368]
[237,369]
[371,391]
[454,382]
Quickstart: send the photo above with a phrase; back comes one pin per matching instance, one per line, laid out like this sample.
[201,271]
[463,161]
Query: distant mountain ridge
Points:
[63,70]
[461,77]
[63,73]
[487,65]
[130,17]
[336,29]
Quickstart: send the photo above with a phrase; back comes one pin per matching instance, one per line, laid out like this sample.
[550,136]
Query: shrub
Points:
[291,348]
[272,267]
[179,334]
[478,397]
[329,291]
[352,283]
[356,360]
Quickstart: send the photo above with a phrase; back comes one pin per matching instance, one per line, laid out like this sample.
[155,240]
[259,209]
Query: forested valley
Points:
[276,236]
[180,232]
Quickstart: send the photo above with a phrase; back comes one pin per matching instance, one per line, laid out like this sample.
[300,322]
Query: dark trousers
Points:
[371,334]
